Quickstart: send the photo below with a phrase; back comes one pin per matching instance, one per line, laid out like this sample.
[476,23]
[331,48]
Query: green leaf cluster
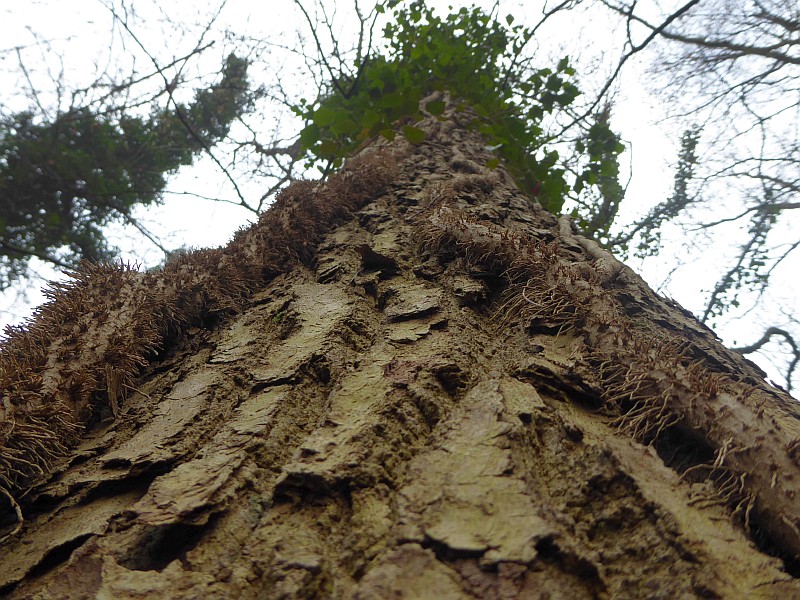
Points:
[600,147]
[478,60]
[62,181]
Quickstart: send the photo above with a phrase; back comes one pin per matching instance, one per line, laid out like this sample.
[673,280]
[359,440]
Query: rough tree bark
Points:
[407,382]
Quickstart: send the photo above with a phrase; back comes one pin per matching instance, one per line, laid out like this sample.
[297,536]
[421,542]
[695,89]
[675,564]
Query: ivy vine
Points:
[477,59]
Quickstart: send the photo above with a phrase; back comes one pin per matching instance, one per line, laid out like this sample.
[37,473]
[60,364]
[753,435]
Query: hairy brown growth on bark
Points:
[429,389]
[79,355]
[650,376]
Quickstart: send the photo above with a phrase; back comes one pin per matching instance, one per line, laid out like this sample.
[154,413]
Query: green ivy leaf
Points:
[324,116]
[370,119]
[436,107]
[328,148]
[309,135]
[413,134]
[343,126]
[391,100]
[608,168]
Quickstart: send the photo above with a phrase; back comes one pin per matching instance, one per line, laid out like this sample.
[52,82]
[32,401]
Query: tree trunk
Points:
[407,382]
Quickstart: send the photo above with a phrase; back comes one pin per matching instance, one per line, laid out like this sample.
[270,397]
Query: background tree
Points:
[63,181]
[730,71]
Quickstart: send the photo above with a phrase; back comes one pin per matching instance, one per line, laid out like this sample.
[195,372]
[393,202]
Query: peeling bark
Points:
[441,392]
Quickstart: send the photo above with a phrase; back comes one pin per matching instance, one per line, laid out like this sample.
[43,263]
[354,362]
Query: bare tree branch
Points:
[788,339]
[30,252]
[170,88]
[601,95]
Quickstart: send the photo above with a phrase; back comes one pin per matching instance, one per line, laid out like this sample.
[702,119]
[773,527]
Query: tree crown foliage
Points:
[477,59]
[62,181]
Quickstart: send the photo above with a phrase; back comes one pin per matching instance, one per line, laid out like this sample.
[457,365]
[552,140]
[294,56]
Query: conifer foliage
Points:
[63,180]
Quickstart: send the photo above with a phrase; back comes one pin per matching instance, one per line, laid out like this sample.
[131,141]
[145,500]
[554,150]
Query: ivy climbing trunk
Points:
[407,382]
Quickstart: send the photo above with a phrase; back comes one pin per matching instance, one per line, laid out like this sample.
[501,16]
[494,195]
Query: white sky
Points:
[81,31]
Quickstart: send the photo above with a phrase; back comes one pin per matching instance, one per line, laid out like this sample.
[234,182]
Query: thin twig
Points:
[170,88]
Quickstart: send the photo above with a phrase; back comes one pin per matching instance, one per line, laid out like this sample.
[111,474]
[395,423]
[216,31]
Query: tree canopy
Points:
[62,181]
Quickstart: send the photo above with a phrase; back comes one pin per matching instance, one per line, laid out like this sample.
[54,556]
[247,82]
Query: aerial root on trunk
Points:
[81,352]
[17,512]
[654,381]
[731,490]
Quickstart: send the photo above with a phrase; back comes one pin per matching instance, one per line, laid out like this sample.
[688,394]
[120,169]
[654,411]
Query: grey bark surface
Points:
[458,397]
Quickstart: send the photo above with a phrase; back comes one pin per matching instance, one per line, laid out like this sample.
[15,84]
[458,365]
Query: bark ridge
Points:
[407,382]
